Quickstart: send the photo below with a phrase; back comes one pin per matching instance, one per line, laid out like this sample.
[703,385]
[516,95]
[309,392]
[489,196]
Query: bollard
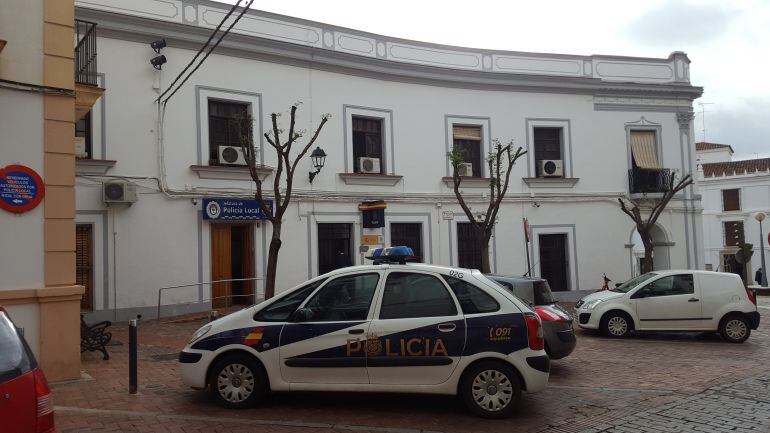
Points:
[132,373]
[213,315]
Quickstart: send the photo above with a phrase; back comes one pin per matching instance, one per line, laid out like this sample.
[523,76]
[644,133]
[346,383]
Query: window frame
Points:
[479,161]
[644,125]
[738,199]
[536,151]
[203,94]
[381,121]
[724,232]
[387,161]
[88,132]
[372,303]
[485,123]
[566,144]
[319,282]
[230,123]
[447,280]
[639,292]
[381,295]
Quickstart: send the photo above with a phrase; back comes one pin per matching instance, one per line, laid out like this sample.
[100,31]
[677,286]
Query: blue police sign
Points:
[233,209]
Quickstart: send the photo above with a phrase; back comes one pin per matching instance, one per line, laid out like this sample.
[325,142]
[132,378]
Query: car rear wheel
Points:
[615,324]
[734,328]
[238,381]
[491,390]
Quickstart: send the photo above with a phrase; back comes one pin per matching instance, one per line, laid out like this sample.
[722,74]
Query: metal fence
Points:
[85,53]
[251,298]
[649,180]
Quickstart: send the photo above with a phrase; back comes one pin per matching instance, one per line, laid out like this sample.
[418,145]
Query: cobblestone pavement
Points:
[661,382]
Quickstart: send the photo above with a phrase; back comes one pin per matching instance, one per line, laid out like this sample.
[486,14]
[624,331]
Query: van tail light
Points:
[534,331]
[44,403]
[549,316]
[752,296]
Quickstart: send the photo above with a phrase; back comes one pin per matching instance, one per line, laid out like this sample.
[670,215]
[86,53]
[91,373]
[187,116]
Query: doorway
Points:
[334,246]
[84,264]
[731,265]
[408,234]
[468,248]
[232,258]
[554,265]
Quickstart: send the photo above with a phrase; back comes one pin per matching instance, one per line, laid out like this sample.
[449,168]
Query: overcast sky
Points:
[728,43]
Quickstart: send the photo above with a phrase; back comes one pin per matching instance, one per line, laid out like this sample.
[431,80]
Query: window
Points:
[224,118]
[83,140]
[644,150]
[468,140]
[468,248]
[733,232]
[15,360]
[281,309]
[409,234]
[548,145]
[472,299]
[731,199]
[367,143]
[415,295]
[343,298]
[668,286]
[84,275]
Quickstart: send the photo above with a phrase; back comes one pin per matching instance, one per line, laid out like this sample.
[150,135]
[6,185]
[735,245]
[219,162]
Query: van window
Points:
[14,355]
[668,286]
[472,299]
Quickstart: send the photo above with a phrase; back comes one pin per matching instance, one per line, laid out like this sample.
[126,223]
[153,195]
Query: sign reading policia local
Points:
[21,188]
[230,209]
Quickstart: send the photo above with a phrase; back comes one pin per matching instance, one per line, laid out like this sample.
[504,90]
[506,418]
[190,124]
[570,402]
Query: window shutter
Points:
[731,199]
[84,264]
[732,228]
[644,149]
[466,132]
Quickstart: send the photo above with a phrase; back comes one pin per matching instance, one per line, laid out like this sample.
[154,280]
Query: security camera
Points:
[158,45]
[158,61]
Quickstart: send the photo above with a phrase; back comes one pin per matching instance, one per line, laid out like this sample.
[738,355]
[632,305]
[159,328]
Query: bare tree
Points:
[499,177]
[653,208]
[283,178]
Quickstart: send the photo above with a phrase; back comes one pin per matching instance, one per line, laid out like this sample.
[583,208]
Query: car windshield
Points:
[633,282]
[542,291]
[13,355]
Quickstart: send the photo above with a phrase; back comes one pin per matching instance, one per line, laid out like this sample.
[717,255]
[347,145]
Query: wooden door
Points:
[334,246]
[553,260]
[242,262]
[84,264]
[468,248]
[221,265]
[409,234]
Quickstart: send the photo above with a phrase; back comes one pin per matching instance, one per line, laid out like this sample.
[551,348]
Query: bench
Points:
[95,337]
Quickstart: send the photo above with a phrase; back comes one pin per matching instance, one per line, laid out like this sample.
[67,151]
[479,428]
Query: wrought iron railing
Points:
[85,53]
[642,181]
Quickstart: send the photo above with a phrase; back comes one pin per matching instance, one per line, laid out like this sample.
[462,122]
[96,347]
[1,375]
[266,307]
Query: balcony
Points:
[87,88]
[649,181]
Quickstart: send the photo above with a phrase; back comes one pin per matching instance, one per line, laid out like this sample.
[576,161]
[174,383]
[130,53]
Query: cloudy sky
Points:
[728,43]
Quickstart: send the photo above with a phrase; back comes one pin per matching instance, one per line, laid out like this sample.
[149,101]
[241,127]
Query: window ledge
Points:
[93,166]
[647,195]
[229,173]
[370,179]
[467,182]
[550,182]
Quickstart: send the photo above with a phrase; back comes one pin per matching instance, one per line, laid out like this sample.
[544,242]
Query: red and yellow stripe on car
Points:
[254,337]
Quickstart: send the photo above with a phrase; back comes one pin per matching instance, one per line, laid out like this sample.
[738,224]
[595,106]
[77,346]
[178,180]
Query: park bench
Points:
[95,337]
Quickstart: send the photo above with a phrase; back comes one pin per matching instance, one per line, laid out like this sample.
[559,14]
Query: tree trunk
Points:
[272,260]
[647,263]
[483,241]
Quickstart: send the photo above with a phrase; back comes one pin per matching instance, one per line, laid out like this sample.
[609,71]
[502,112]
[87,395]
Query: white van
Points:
[675,300]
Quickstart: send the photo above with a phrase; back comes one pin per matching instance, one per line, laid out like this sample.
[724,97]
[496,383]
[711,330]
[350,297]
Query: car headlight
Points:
[200,333]
[590,305]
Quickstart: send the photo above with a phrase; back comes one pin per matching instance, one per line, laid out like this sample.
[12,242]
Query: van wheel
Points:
[734,329]
[238,381]
[615,324]
[491,390]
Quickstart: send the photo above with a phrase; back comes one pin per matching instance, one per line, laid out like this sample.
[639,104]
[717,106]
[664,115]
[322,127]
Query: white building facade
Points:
[397,108]
[733,193]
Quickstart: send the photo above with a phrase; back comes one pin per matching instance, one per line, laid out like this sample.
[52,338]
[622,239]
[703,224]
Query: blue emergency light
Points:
[399,254]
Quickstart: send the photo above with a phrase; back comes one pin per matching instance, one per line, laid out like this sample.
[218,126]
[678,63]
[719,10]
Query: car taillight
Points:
[548,315]
[534,331]
[44,403]
[752,296]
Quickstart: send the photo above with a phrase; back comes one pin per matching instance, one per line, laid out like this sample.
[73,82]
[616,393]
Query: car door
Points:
[418,331]
[669,302]
[323,341]
[18,401]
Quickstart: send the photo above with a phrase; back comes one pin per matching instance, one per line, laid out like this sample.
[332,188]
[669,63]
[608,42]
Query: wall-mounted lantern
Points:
[319,158]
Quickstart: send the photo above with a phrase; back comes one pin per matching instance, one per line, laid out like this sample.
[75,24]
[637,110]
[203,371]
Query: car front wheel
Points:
[238,381]
[616,325]
[735,329]
[491,390]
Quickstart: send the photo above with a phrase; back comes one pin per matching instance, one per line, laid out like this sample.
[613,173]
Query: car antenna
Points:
[530,269]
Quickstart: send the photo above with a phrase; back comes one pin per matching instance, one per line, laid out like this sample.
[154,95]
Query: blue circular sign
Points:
[21,188]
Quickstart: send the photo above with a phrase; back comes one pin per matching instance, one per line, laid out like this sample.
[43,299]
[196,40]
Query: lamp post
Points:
[760,216]
[319,158]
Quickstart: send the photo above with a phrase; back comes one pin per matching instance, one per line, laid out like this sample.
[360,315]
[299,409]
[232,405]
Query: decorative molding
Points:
[229,173]
[93,166]
[370,179]
[467,182]
[684,119]
[550,182]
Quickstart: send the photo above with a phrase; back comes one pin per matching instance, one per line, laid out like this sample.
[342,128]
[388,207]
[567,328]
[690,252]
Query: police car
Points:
[388,327]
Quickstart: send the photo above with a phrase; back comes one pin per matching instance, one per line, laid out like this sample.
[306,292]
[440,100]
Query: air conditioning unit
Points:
[119,191]
[231,155]
[551,168]
[80,147]
[369,165]
[465,169]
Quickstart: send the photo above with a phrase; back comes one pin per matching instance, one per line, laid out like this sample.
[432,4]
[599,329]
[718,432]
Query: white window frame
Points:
[485,123]
[566,144]
[569,230]
[254,102]
[387,164]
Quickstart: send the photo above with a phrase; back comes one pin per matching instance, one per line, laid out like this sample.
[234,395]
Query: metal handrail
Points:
[85,53]
[161,289]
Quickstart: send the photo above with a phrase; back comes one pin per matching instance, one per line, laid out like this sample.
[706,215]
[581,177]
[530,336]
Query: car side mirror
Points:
[301,315]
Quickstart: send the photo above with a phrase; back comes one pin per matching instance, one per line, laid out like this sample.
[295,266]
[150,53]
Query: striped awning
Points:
[644,149]
[466,132]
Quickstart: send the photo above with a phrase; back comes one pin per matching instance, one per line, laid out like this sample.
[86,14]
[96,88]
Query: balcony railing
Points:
[643,181]
[85,53]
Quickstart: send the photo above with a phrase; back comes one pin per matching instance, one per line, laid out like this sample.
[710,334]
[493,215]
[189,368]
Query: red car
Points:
[25,398]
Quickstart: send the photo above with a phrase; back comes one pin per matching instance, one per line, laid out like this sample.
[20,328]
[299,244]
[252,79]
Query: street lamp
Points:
[761,217]
[319,158]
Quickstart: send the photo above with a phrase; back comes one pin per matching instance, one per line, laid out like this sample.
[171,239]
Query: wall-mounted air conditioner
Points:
[369,165]
[119,191]
[465,169]
[231,155]
[551,168]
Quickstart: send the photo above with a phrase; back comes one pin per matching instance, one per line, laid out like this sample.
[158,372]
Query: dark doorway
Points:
[232,258]
[554,265]
[468,250]
[334,246]
[84,264]
[409,234]
[733,266]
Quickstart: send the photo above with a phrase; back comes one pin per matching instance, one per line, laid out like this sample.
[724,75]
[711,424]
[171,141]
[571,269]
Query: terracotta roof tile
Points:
[702,145]
[717,169]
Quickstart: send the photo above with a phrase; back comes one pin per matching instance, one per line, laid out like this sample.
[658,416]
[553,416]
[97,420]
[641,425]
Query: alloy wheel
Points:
[492,390]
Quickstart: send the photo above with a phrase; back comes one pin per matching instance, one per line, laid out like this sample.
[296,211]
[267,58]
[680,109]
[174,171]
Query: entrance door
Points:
[334,246]
[554,265]
[730,264]
[84,264]
[232,258]
[468,251]
[409,234]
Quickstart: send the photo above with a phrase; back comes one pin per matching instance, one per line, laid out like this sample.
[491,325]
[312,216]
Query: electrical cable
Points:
[200,50]
[36,88]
